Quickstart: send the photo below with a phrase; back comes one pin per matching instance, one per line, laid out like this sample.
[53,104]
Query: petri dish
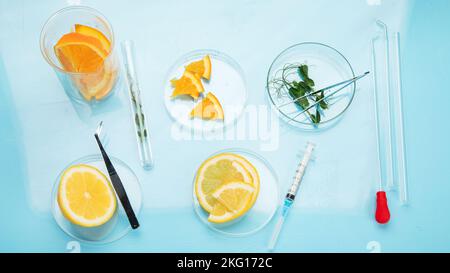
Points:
[327,66]
[118,226]
[227,83]
[262,211]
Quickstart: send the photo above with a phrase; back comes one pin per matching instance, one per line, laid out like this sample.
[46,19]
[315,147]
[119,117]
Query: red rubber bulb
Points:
[382,214]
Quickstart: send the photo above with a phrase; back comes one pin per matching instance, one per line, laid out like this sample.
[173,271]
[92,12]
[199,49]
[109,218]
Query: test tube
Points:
[138,116]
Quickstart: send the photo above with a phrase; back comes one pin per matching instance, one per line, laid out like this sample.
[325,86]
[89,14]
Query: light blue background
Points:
[41,132]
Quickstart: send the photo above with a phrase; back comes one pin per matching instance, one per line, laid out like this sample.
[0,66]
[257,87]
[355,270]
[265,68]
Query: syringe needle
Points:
[290,196]
[276,232]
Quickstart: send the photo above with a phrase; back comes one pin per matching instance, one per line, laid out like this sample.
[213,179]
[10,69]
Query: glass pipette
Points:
[290,196]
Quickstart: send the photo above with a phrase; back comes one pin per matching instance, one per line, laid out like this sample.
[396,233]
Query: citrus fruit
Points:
[216,172]
[209,108]
[188,84]
[85,196]
[95,33]
[80,53]
[253,173]
[96,85]
[219,213]
[235,197]
[201,68]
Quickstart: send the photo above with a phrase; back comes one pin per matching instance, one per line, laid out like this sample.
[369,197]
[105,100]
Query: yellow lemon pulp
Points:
[254,174]
[226,186]
[235,197]
[214,173]
[85,196]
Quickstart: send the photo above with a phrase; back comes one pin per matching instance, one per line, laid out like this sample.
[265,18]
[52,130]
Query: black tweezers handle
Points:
[118,186]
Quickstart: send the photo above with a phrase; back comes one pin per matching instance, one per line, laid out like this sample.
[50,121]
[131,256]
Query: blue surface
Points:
[41,131]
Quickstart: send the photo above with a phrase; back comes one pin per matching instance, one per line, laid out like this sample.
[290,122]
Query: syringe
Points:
[290,196]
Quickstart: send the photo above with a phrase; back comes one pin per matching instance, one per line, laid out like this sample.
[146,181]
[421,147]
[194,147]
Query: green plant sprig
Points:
[301,90]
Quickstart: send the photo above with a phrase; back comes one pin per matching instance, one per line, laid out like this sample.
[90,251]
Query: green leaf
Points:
[310,82]
[303,72]
[305,87]
[315,118]
[304,75]
[136,119]
[296,93]
[323,104]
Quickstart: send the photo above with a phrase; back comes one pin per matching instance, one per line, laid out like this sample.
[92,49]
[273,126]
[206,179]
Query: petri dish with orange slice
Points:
[78,42]
[235,192]
[205,90]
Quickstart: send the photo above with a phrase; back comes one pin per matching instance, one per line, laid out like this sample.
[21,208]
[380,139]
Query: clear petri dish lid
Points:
[118,226]
[262,211]
[227,83]
[327,66]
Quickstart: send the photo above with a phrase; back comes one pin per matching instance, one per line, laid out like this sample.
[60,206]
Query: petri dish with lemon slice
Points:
[85,205]
[235,192]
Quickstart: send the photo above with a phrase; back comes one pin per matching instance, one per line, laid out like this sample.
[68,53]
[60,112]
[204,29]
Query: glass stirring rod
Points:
[290,196]
[139,120]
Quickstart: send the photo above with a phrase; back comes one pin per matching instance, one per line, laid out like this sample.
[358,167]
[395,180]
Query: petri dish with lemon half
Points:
[235,192]
[85,205]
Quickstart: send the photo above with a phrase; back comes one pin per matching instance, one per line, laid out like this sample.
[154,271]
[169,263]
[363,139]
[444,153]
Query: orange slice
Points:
[94,33]
[201,68]
[209,109]
[96,85]
[188,84]
[105,86]
[80,53]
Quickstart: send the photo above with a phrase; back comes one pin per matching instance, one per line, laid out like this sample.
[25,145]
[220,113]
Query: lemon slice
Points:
[215,172]
[220,214]
[234,200]
[253,173]
[85,196]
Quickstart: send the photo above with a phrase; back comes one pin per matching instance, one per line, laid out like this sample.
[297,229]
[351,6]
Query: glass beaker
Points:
[91,86]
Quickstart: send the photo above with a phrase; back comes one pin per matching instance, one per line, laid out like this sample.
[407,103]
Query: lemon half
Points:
[226,186]
[85,196]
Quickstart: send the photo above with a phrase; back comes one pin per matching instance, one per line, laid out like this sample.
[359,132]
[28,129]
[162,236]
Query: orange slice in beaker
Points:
[95,33]
[80,53]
